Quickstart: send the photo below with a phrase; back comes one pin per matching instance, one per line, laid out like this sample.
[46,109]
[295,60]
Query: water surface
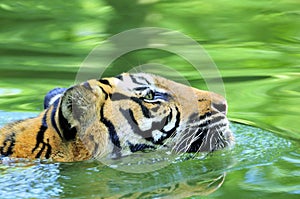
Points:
[255,45]
[261,163]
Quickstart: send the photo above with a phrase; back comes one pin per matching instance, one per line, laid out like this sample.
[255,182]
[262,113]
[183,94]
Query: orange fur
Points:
[117,116]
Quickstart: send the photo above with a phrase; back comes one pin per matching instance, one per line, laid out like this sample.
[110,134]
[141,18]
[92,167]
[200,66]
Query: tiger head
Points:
[139,112]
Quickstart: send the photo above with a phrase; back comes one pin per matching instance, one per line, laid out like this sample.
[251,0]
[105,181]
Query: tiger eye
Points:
[149,95]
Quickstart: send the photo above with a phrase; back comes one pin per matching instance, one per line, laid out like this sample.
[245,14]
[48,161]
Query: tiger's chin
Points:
[206,134]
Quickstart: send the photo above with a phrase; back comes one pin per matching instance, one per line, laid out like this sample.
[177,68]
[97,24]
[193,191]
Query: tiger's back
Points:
[117,116]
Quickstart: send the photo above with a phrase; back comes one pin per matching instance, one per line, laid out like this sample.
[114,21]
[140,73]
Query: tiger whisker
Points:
[183,140]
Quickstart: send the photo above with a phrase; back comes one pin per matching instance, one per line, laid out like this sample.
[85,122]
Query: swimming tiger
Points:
[117,116]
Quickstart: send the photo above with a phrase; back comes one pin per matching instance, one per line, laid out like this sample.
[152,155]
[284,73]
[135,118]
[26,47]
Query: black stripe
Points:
[113,136]
[210,120]
[40,134]
[145,110]
[142,88]
[88,86]
[139,147]
[49,149]
[128,115]
[171,132]
[147,134]
[42,149]
[119,96]
[104,81]
[131,116]
[195,116]
[68,132]
[120,77]
[105,93]
[143,78]
[198,143]
[217,119]
[8,145]
[53,122]
[170,116]
[134,80]
[204,124]
[40,139]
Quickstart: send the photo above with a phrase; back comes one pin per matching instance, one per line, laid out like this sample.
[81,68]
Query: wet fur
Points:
[114,117]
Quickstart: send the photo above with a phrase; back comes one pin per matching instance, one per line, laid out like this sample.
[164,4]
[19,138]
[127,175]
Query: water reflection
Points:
[173,181]
[260,162]
[25,179]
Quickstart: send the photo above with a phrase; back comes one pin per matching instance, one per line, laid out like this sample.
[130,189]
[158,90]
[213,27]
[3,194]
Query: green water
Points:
[255,45]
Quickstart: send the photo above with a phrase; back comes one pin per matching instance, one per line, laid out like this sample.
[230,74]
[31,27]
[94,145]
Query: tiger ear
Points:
[69,105]
[74,110]
[79,108]
[67,122]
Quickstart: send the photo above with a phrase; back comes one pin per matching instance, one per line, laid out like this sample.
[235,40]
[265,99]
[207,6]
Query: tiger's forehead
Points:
[128,82]
[131,81]
[138,79]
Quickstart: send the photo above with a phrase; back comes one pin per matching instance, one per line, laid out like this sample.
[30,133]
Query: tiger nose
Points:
[219,103]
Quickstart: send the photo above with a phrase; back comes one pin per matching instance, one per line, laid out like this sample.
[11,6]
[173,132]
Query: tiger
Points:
[113,117]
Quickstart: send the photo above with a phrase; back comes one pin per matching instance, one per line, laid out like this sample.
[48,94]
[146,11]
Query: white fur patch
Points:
[53,99]
[157,135]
